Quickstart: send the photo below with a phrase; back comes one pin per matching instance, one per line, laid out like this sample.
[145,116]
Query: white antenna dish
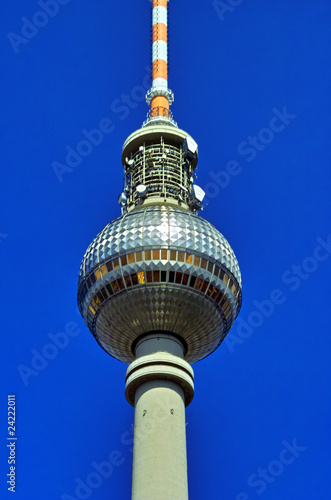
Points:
[190,148]
[129,163]
[198,193]
[122,199]
[141,190]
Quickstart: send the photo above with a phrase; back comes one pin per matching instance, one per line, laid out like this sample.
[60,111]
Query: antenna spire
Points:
[159,97]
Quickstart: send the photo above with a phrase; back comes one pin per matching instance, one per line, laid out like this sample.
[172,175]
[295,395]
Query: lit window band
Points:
[148,277]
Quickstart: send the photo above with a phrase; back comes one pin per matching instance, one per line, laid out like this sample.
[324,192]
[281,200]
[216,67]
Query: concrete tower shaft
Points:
[159,383]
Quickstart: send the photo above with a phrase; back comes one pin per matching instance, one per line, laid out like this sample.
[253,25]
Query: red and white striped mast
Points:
[159,97]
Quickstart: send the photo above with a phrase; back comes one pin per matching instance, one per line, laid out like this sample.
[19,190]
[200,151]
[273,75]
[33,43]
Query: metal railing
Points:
[159,114]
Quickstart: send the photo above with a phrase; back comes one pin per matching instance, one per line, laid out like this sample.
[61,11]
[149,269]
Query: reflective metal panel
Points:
[128,287]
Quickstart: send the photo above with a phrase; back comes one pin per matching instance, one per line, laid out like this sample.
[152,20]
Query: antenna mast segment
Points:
[159,97]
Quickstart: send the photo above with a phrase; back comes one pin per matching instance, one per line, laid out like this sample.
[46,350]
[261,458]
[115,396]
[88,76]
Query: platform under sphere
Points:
[159,268]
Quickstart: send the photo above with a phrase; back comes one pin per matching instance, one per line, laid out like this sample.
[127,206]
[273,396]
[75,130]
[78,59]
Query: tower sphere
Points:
[159,268]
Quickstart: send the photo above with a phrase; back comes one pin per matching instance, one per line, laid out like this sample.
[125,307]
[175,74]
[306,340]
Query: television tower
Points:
[159,287]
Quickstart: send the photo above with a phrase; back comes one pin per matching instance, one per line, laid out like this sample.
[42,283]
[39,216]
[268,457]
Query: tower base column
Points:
[159,385]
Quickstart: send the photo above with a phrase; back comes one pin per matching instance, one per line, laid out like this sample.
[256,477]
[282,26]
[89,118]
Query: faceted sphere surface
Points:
[159,268]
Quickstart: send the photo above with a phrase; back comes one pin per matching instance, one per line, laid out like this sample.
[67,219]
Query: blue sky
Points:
[252,84]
